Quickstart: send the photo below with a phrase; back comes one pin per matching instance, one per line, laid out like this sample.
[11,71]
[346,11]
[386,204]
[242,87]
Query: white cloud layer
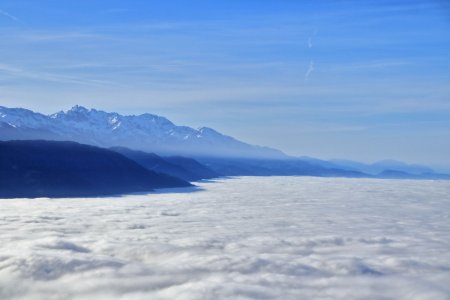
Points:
[243,238]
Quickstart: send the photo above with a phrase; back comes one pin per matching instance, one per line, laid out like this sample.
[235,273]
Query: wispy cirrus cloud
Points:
[310,70]
[9,16]
[19,73]
[310,44]
[59,36]
[116,10]
[311,38]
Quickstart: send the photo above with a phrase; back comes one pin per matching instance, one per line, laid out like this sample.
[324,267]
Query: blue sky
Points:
[363,80]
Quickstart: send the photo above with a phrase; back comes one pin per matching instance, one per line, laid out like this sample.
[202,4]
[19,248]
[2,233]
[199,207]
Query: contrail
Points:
[310,70]
[310,39]
[8,15]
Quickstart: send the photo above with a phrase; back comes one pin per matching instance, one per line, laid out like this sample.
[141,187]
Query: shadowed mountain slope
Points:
[68,169]
[182,167]
[271,167]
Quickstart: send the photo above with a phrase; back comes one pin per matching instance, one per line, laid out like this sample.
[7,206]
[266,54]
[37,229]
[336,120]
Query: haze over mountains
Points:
[182,167]
[146,132]
[189,154]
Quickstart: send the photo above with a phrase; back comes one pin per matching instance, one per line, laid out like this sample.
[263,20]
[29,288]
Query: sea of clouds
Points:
[241,238]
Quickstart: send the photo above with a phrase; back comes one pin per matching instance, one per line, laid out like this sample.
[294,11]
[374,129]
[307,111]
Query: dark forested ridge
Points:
[182,167]
[38,168]
[274,167]
[68,169]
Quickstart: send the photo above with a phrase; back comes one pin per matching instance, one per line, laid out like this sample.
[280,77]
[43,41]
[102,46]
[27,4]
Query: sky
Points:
[362,80]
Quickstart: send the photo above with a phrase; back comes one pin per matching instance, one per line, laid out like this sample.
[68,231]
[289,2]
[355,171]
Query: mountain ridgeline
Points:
[182,167]
[67,169]
[146,132]
[109,153]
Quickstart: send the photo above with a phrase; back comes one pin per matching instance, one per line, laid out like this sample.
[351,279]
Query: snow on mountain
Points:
[145,132]
[22,118]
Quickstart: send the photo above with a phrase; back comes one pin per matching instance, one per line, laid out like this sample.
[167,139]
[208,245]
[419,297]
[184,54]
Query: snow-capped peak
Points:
[147,132]
[78,109]
[207,130]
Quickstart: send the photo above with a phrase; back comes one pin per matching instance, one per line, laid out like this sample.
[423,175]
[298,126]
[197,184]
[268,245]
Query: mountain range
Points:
[186,153]
[146,132]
